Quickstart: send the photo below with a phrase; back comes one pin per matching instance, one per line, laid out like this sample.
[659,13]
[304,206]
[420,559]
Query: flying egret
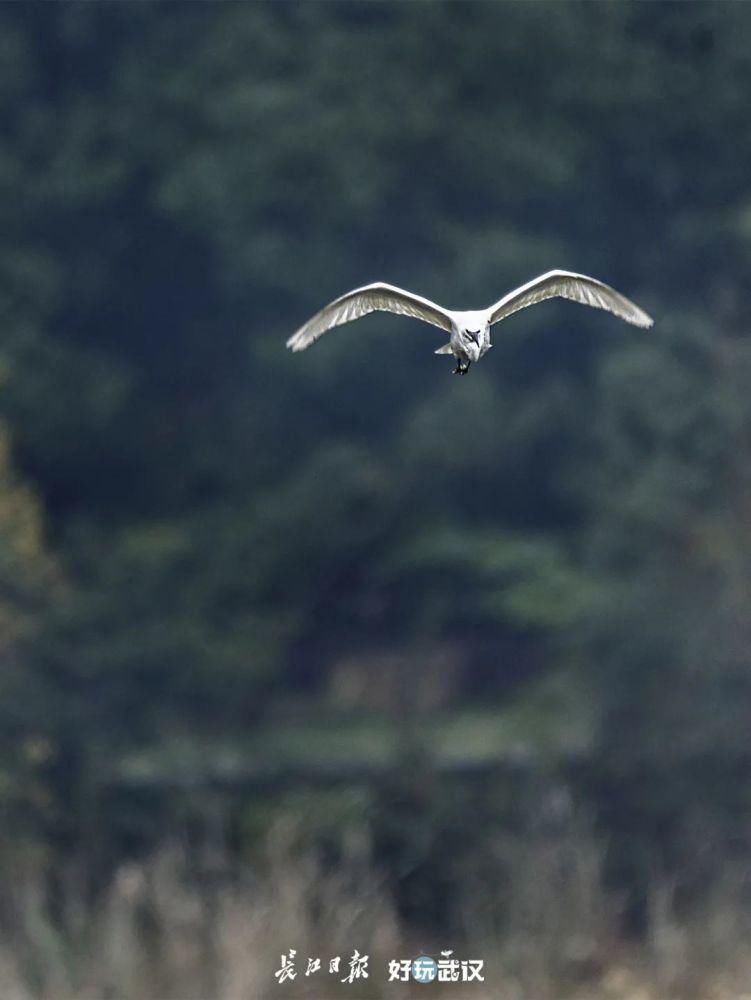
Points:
[469,330]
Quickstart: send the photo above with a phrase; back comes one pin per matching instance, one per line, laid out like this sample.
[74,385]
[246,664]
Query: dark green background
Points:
[223,564]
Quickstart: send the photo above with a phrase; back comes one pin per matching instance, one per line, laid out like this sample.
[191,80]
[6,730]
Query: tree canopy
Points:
[198,528]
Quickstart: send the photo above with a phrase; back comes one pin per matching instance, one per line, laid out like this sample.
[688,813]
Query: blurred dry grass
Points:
[168,929]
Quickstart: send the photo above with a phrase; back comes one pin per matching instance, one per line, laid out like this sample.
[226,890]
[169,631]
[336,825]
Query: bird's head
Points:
[475,340]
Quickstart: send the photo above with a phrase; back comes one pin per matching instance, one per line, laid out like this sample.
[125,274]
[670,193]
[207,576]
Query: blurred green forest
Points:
[221,562]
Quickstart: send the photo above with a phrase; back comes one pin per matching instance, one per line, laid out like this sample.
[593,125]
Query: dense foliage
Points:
[198,527]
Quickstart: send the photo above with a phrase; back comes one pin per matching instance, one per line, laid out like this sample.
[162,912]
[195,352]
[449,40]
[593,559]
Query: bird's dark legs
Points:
[462,367]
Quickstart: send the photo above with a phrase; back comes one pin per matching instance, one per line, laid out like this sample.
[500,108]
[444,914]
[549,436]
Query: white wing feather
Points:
[579,288]
[360,302]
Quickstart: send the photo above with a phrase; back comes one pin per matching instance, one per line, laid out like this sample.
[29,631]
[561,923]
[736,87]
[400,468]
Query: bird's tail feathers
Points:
[446,349]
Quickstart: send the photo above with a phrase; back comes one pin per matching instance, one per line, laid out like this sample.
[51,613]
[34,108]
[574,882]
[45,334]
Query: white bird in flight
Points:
[469,330]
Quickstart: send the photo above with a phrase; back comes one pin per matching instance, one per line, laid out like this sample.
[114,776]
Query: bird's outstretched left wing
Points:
[579,288]
[360,302]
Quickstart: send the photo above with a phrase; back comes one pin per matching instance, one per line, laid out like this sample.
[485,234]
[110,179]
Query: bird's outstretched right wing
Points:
[567,285]
[361,301]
